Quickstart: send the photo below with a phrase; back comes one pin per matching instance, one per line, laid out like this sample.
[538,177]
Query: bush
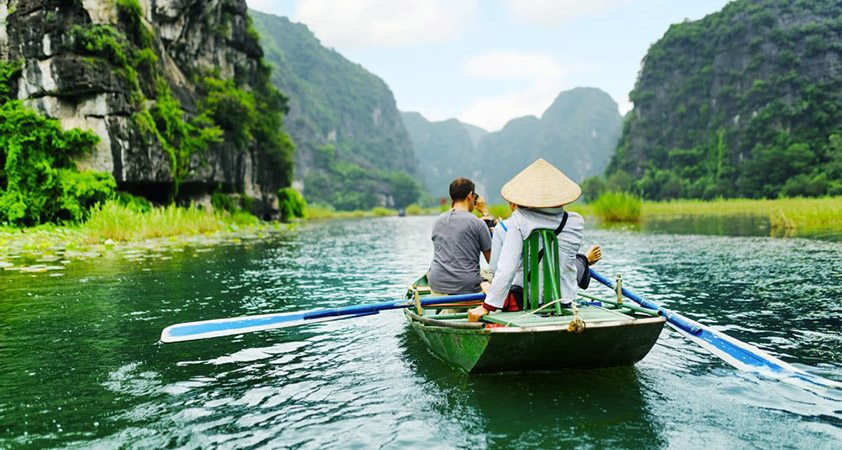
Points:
[380,211]
[405,189]
[291,204]
[414,210]
[39,181]
[222,202]
[592,188]
[804,186]
[80,191]
[132,203]
[618,207]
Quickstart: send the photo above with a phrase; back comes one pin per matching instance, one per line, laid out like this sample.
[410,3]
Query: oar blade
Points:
[737,353]
[744,356]
[207,329]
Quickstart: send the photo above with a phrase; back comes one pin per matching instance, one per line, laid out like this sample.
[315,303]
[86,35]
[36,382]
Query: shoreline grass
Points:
[113,223]
[785,214]
[618,207]
[325,212]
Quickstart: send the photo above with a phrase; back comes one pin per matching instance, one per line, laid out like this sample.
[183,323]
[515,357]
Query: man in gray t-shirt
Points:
[458,239]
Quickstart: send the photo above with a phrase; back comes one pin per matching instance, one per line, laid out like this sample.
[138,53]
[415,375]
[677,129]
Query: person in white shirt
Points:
[537,196]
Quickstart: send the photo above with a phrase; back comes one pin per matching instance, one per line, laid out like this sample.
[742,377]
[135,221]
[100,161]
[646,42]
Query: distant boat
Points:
[535,340]
[401,212]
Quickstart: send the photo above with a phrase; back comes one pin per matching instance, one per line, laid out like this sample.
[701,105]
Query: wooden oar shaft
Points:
[676,319]
[631,307]
[238,325]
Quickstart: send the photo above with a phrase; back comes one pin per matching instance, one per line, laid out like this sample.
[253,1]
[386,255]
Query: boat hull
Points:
[504,349]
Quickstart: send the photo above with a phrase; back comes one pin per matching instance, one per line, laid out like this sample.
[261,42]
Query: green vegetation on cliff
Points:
[746,102]
[38,179]
[351,143]
[224,110]
[124,60]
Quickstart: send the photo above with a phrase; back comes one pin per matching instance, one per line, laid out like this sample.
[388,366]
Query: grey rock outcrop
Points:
[189,38]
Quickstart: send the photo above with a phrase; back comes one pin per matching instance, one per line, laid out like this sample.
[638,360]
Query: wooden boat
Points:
[608,335]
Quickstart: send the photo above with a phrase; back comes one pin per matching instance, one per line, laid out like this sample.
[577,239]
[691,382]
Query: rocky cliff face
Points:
[108,65]
[740,103]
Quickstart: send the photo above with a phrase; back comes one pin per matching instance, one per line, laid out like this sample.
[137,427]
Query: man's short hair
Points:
[460,188]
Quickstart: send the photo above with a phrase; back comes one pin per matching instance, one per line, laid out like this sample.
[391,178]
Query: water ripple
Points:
[80,351]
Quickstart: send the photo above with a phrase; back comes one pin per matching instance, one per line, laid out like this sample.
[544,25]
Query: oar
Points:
[246,324]
[737,353]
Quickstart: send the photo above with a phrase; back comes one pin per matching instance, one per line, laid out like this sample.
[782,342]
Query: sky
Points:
[487,62]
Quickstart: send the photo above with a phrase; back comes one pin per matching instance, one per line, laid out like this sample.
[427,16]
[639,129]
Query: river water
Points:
[80,365]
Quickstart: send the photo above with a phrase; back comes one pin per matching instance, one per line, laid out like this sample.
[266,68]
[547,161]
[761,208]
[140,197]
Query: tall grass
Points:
[317,212]
[122,223]
[414,210]
[380,211]
[785,214]
[501,211]
[618,207]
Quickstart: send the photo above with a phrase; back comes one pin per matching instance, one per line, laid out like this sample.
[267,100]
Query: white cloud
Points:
[492,113]
[545,76]
[266,6]
[511,64]
[555,12]
[625,107]
[346,24]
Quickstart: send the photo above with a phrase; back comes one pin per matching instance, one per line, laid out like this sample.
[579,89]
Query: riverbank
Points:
[322,212]
[787,216]
[123,229]
[117,229]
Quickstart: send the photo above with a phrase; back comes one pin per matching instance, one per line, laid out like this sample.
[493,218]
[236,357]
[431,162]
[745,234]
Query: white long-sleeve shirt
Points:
[510,262]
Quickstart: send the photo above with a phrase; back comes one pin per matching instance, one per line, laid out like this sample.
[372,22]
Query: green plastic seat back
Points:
[532,251]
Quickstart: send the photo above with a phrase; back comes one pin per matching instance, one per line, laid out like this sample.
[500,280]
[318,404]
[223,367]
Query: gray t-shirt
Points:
[458,239]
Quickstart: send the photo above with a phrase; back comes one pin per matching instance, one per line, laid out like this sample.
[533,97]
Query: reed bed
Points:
[785,215]
[618,207]
[319,212]
[121,223]
[322,212]
[118,228]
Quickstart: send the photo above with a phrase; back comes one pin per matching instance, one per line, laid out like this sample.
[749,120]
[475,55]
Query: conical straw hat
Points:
[541,185]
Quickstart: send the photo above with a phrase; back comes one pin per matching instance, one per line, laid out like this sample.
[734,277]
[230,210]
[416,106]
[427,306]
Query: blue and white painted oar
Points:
[246,324]
[737,353]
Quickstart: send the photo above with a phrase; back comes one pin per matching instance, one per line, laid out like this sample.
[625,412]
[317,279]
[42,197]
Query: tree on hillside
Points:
[405,189]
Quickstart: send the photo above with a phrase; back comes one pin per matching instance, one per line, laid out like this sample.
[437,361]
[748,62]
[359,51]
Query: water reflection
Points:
[603,408]
[80,366]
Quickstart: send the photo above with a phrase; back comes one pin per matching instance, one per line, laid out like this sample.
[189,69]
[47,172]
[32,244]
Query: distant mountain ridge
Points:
[352,150]
[577,134]
[446,150]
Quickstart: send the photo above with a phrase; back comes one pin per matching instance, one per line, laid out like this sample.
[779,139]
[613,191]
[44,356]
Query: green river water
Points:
[81,366]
